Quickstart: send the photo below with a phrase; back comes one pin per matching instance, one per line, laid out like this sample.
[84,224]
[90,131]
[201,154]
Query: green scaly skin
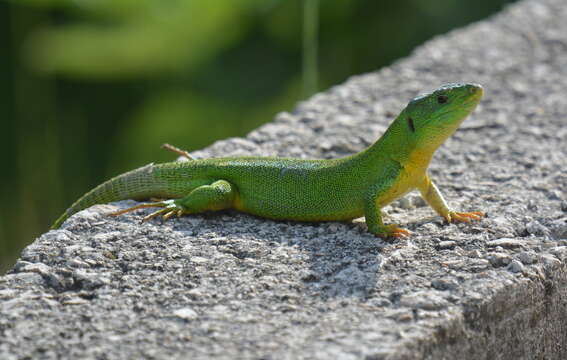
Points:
[308,190]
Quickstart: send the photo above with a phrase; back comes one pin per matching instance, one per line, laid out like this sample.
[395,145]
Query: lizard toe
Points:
[465,216]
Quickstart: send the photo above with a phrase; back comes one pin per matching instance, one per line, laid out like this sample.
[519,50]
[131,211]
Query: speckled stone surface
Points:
[229,285]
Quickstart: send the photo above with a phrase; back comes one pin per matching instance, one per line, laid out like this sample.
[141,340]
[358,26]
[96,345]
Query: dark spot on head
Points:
[411,124]
[442,99]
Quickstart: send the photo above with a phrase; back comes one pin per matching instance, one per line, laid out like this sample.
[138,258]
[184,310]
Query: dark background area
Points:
[89,89]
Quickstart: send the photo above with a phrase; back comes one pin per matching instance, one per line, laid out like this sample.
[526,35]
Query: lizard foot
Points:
[169,208]
[393,231]
[464,216]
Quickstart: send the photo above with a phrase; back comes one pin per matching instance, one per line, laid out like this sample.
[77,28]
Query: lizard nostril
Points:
[475,89]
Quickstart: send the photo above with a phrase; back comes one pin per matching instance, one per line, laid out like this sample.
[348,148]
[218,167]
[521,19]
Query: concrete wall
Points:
[230,285]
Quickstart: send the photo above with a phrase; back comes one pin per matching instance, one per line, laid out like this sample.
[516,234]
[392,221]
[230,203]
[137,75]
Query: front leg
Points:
[373,216]
[433,197]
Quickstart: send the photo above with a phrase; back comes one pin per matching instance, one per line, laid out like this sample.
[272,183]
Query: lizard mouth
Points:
[469,103]
[476,92]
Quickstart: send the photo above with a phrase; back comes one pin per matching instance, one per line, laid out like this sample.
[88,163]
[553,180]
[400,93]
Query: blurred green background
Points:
[92,88]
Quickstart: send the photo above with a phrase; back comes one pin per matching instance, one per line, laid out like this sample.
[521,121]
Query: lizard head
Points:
[428,120]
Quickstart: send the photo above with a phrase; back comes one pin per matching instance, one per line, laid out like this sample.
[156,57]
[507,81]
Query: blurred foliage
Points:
[91,88]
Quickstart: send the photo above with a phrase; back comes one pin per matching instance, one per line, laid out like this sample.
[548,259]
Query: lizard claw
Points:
[399,232]
[171,213]
[464,216]
[134,208]
[156,214]
[393,231]
[169,209]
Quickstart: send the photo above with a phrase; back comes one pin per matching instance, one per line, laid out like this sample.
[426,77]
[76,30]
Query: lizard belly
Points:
[300,203]
[291,207]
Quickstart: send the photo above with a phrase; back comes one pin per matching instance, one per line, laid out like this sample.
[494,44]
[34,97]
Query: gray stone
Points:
[186,314]
[550,260]
[560,252]
[446,245]
[516,266]
[405,203]
[507,243]
[426,300]
[24,266]
[527,257]
[444,284]
[535,228]
[559,229]
[417,201]
[499,259]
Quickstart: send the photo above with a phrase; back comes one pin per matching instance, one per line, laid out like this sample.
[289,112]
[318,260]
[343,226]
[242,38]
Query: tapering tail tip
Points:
[57,224]
[138,183]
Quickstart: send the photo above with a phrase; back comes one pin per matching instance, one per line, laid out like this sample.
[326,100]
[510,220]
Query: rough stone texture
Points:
[229,285]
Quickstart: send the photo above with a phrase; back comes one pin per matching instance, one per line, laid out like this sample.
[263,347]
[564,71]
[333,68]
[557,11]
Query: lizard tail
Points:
[135,184]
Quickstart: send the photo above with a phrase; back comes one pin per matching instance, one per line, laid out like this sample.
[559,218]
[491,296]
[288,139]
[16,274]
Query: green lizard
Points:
[308,190]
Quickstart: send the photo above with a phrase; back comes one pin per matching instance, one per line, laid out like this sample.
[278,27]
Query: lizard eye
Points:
[411,124]
[442,99]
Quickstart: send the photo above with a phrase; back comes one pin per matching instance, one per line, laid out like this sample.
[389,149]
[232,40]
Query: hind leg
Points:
[216,196]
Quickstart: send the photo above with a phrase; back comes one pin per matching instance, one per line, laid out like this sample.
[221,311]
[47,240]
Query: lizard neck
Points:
[395,149]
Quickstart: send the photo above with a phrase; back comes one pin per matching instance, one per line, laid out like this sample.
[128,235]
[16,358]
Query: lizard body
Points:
[308,190]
